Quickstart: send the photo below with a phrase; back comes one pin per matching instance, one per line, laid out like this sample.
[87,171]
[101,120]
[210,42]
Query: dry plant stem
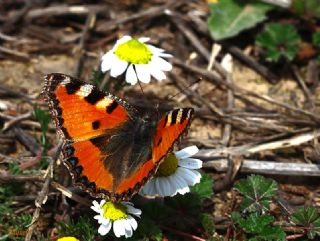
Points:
[252,148]
[60,10]
[267,167]
[12,93]
[150,12]
[42,197]
[16,120]
[89,26]
[237,53]
[70,194]
[187,32]
[213,77]
[189,236]
[17,54]
[251,63]
[26,140]
[304,88]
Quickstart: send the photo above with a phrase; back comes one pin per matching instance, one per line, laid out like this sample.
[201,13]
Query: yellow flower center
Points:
[133,52]
[114,211]
[168,166]
[68,239]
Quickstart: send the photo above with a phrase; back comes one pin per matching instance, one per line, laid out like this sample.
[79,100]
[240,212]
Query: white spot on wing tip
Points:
[84,90]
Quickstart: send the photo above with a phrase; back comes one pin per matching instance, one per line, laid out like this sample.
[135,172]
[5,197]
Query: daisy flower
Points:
[68,239]
[175,174]
[139,60]
[116,215]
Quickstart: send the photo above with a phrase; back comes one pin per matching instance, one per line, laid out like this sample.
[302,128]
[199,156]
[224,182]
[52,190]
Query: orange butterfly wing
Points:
[101,149]
[169,129]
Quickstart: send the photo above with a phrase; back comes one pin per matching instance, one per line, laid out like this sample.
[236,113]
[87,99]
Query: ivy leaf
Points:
[257,191]
[279,40]
[229,17]
[204,189]
[309,218]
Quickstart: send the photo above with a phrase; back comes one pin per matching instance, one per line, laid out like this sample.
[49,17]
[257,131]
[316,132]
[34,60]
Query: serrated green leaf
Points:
[259,227]
[229,17]
[279,40]
[308,9]
[207,223]
[257,191]
[316,39]
[204,189]
[309,218]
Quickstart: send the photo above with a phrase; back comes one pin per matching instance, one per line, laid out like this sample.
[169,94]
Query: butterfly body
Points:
[109,149]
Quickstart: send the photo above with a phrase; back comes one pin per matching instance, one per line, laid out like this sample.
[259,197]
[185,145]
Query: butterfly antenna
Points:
[140,87]
[187,87]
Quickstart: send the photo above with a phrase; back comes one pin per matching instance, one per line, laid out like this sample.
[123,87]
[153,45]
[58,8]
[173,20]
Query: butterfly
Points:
[109,149]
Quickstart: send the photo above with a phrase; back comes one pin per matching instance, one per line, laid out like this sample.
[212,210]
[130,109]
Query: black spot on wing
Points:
[73,161]
[165,121]
[174,117]
[94,97]
[112,107]
[73,87]
[184,115]
[95,125]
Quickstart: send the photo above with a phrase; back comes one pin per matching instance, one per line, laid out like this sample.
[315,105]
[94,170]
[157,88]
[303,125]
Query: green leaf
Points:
[208,224]
[229,17]
[309,218]
[147,230]
[308,9]
[43,117]
[259,226]
[257,191]
[316,39]
[279,40]
[204,189]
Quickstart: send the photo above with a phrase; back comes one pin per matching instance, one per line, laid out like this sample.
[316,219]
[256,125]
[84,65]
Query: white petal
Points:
[148,188]
[182,184]
[127,203]
[165,55]
[132,222]
[143,39]
[173,185]
[154,49]
[190,163]
[118,228]
[107,61]
[191,177]
[156,72]
[102,202]
[164,187]
[127,228]
[118,68]
[96,207]
[143,73]
[131,76]
[104,228]
[124,39]
[161,63]
[134,211]
[186,152]
[160,189]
